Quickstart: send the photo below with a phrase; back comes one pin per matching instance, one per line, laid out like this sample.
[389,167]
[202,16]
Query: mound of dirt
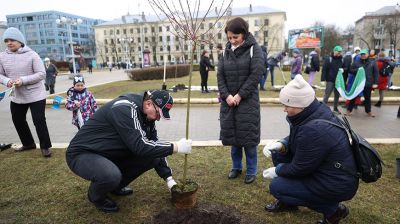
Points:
[201,214]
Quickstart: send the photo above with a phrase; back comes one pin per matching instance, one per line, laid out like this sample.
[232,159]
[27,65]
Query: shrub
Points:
[139,74]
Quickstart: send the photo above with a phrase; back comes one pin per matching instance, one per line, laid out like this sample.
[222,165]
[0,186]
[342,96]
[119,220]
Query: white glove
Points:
[184,146]
[170,183]
[271,146]
[270,173]
[374,86]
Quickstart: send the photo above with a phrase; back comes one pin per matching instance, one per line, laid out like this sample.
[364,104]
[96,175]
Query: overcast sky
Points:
[300,13]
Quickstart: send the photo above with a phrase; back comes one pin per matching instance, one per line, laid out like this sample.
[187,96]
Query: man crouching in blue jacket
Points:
[306,171]
[119,143]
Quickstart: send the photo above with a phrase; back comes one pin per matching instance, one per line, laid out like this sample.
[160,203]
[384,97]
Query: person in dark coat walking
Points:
[51,74]
[264,75]
[331,66]
[238,75]
[205,66]
[120,143]
[305,171]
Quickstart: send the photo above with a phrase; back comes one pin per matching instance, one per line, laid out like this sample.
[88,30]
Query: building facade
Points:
[379,30]
[3,27]
[125,39]
[50,39]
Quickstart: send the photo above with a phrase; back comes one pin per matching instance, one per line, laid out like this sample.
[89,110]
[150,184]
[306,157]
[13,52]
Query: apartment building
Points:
[3,27]
[127,38]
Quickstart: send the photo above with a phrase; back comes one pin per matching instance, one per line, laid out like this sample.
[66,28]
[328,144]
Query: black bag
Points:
[307,69]
[368,161]
[385,70]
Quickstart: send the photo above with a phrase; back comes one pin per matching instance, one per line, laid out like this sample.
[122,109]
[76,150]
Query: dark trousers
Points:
[367,100]
[293,191]
[204,80]
[18,113]
[106,175]
[49,87]
[271,70]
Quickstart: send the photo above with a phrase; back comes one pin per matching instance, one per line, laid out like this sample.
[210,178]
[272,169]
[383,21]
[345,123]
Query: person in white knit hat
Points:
[304,171]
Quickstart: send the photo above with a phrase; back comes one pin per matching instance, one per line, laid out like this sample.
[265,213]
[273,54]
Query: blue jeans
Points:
[295,192]
[263,79]
[251,159]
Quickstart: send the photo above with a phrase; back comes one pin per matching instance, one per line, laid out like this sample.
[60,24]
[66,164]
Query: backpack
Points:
[368,162]
[385,70]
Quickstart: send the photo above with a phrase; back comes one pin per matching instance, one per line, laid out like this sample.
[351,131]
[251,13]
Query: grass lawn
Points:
[38,190]
[112,90]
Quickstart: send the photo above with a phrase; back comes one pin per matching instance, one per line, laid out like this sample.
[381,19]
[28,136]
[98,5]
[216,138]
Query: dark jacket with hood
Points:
[238,73]
[314,148]
[119,131]
[371,70]
[330,69]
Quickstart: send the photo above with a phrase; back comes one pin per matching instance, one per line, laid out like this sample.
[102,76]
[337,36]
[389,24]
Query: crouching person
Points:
[304,172]
[119,143]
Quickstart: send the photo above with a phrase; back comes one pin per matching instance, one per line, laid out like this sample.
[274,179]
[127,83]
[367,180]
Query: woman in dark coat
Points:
[307,163]
[205,66]
[51,74]
[239,71]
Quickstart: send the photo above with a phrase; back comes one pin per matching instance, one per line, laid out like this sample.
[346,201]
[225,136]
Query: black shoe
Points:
[105,205]
[341,212]
[249,179]
[24,148]
[4,146]
[278,206]
[46,152]
[378,104]
[234,173]
[123,191]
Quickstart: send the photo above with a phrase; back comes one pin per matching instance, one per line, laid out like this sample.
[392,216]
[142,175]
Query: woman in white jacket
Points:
[22,68]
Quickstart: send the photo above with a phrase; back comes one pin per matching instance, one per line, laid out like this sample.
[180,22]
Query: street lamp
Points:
[126,41]
[62,41]
[69,22]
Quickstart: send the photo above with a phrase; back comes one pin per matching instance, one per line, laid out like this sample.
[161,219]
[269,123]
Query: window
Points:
[219,36]
[145,30]
[202,47]
[105,32]
[266,22]
[146,39]
[168,38]
[117,31]
[161,48]
[105,41]
[161,58]
[167,28]
[137,30]
[153,39]
[168,48]
[119,50]
[160,29]
[139,48]
[138,40]
[124,31]
[29,18]
[131,30]
[111,32]
[51,41]
[177,47]
[153,29]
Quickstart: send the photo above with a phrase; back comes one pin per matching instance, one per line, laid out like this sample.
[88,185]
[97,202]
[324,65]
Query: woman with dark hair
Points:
[239,72]
[205,66]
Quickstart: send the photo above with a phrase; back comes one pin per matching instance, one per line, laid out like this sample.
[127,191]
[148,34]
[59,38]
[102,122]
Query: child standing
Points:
[80,101]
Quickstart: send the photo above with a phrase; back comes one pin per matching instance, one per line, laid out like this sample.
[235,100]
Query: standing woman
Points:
[51,74]
[205,66]
[22,67]
[238,75]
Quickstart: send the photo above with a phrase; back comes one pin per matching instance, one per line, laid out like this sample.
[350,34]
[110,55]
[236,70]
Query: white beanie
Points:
[297,93]
[14,34]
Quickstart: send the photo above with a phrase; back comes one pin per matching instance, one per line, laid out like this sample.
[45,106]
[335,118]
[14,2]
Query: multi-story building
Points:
[379,30]
[3,27]
[50,39]
[125,39]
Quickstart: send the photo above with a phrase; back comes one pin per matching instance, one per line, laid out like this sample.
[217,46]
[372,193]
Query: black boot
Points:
[341,213]
[105,204]
[205,88]
[398,113]
[378,104]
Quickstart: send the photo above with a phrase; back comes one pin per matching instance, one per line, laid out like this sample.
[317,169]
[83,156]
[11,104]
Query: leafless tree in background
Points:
[186,19]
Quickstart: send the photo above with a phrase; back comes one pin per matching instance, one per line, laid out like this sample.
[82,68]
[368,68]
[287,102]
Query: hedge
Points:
[139,74]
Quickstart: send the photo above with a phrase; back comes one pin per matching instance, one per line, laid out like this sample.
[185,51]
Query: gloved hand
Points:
[374,86]
[271,146]
[323,83]
[270,173]
[184,146]
[170,183]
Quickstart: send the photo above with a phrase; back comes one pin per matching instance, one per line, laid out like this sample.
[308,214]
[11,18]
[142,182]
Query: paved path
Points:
[204,124]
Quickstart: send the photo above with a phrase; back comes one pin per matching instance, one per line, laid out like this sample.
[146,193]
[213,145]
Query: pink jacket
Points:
[26,65]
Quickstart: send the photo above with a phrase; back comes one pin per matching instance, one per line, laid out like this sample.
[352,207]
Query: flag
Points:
[8,92]
[356,88]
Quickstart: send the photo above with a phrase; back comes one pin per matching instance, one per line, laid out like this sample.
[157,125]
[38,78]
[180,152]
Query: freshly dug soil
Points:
[204,213]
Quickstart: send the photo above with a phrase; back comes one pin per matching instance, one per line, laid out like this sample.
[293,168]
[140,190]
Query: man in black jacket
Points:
[331,66]
[119,143]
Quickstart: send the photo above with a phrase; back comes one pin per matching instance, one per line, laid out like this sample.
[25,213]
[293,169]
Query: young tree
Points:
[186,19]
